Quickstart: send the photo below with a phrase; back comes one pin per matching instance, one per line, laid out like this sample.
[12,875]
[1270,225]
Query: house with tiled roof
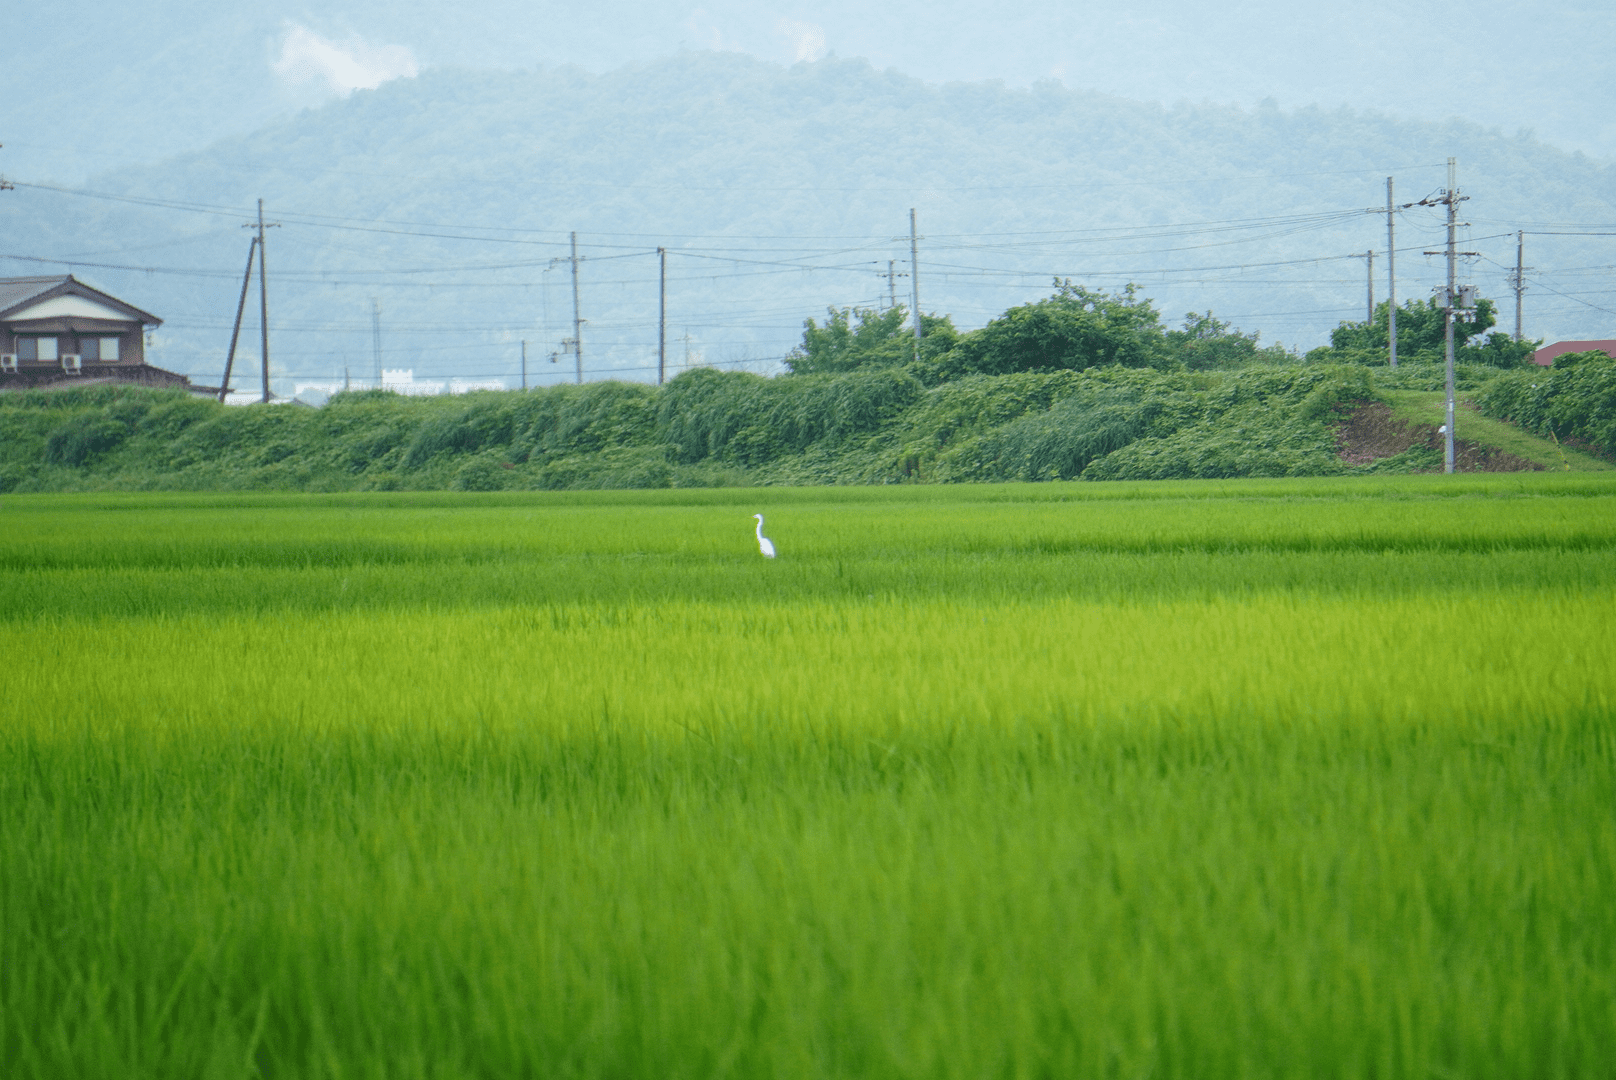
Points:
[57,329]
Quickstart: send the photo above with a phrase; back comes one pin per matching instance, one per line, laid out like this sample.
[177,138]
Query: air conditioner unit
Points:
[72,363]
[8,363]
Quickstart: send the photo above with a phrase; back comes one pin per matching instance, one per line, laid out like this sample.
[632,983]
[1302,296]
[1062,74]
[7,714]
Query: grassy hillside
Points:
[709,428]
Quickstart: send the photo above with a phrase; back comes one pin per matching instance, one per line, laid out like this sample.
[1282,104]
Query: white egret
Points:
[765,545]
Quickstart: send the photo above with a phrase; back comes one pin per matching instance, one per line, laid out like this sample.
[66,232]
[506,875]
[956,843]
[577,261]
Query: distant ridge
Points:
[778,190]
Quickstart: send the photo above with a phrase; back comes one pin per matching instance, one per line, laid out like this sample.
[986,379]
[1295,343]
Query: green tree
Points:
[856,337]
[1419,330]
[1074,329]
[1208,343]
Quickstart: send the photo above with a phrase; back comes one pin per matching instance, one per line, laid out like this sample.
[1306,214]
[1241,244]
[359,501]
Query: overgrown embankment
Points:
[709,428]
[705,428]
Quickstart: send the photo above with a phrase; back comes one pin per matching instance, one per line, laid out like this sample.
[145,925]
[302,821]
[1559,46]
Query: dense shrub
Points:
[84,437]
[750,420]
[1072,330]
[1575,399]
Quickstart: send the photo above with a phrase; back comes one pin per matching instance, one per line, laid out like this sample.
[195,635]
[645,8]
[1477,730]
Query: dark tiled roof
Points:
[17,290]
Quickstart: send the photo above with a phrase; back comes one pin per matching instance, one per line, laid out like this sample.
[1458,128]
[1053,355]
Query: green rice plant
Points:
[1285,778]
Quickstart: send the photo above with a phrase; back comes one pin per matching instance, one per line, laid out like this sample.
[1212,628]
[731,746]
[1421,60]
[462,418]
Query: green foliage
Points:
[1207,343]
[877,339]
[1421,337]
[875,424]
[83,438]
[1257,423]
[1072,330]
[1575,400]
[748,420]
[1499,350]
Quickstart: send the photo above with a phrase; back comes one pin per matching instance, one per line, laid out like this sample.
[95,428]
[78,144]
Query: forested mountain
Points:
[446,198]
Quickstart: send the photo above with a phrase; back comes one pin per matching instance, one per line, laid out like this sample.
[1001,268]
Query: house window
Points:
[41,349]
[98,348]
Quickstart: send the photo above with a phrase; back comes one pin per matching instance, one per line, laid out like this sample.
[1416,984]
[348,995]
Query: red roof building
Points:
[1545,356]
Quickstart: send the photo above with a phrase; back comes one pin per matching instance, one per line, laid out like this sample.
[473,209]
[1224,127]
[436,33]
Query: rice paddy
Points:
[1292,778]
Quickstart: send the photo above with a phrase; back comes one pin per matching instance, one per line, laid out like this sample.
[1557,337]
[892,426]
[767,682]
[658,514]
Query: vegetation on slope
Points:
[1081,385]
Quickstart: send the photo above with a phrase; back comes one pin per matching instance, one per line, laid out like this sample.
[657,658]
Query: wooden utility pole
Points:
[1391,277]
[914,279]
[662,316]
[235,333]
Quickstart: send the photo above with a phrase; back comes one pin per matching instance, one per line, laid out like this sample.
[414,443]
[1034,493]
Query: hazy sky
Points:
[141,81]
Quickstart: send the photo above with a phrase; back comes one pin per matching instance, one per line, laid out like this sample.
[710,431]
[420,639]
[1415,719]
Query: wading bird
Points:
[765,545]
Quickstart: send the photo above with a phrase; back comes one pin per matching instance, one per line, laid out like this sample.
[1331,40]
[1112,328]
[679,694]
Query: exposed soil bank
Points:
[1371,433]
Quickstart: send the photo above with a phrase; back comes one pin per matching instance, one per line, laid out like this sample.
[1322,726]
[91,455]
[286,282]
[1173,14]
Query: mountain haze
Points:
[778,191]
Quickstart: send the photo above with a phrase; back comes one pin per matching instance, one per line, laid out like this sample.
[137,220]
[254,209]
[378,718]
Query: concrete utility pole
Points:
[376,338]
[1391,277]
[263,301]
[1451,198]
[1453,297]
[577,320]
[1369,259]
[1518,279]
[662,316]
[235,333]
[914,279]
[524,365]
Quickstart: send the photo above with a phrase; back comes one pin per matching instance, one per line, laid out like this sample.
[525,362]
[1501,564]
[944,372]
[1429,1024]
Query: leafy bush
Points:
[479,474]
[1575,399]
[1207,343]
[1072,330]
[84,437]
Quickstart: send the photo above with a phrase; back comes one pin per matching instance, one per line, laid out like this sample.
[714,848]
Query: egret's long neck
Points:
[760,526]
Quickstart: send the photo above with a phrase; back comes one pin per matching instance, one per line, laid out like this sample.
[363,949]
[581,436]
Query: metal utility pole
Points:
[376,338]
[892,283]
[914,279]
[1518,279]
[1391,277]
[662,316]
[1369,258]
[263,302]
[235,333]
[577,320]
[524,365]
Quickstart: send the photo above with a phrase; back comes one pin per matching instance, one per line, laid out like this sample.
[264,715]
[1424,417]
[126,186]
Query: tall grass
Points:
[1287,779]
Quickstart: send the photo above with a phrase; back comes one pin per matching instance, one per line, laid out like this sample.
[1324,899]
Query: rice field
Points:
[1292,778]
